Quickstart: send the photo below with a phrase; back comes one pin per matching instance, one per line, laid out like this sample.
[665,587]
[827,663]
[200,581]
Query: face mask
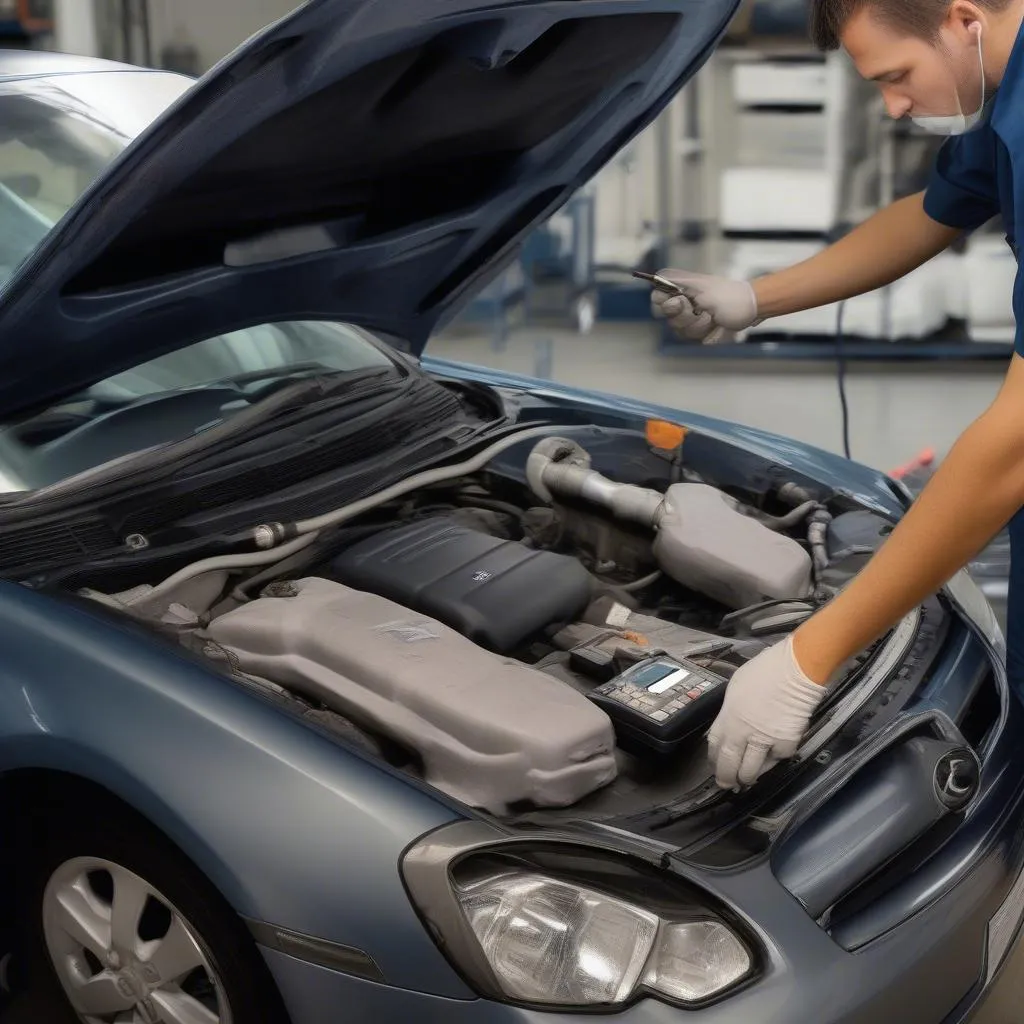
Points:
[958,123]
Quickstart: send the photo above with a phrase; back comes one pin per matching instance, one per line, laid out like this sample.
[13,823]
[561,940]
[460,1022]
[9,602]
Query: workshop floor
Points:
[895,410]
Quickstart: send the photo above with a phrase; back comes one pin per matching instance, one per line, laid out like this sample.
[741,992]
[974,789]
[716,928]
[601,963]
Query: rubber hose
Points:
[301,558]
[644,581]
[797,515]
[229,562]
[424,479]
[817,537]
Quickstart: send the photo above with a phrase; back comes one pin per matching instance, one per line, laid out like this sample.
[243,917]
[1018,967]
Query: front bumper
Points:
[934,968]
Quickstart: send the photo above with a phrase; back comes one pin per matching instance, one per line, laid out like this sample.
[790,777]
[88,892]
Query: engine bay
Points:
[523,631]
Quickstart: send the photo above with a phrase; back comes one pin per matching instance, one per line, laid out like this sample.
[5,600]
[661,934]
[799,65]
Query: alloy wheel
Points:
[123,953]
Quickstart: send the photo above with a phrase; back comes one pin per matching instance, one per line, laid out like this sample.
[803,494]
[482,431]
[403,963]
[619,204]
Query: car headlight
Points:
[521,931]
[551,941]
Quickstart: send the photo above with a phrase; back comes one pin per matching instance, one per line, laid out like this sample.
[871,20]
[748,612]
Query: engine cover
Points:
[499,593]
[490,731]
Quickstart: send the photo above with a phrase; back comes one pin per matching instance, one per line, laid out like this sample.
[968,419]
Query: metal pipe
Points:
[791,518]
[557,466]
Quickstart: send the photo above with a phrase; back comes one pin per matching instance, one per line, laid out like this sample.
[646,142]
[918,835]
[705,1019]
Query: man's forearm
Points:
[975,492]
[883,249]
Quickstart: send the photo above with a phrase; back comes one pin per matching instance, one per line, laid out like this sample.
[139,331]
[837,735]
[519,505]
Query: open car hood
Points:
[360,160]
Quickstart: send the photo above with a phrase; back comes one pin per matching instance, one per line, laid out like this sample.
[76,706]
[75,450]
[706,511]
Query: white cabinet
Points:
[989,271]
[763,81]
[783,134]
[774,200]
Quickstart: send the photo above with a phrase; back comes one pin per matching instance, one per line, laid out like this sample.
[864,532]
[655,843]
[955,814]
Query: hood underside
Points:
[359,160]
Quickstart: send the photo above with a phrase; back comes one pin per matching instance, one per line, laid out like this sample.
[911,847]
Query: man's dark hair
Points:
[920,18]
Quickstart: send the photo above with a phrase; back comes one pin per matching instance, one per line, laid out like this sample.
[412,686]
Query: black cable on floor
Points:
[841,378]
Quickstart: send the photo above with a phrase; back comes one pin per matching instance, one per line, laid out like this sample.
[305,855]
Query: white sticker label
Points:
[618,616]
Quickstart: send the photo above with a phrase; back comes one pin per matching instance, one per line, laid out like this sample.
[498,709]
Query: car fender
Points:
[293,828]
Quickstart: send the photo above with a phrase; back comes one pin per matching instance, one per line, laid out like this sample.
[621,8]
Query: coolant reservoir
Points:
[707,544]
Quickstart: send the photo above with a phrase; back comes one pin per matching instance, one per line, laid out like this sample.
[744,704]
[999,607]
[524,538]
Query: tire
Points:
[187,948]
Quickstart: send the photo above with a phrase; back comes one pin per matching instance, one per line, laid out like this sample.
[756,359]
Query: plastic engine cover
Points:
[708,545]
[499,593]
[490,731]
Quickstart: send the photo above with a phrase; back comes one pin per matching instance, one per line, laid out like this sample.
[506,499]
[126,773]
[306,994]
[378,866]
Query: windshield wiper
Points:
[283,374]
[290,395]
[300,389]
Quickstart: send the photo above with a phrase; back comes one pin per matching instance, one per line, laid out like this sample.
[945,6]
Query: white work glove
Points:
[767,708]
[711,305]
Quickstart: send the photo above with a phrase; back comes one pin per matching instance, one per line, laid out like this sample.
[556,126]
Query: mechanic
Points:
[956,69]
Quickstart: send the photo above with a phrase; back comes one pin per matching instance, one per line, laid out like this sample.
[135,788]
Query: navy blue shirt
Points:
[973,177]
[978,176]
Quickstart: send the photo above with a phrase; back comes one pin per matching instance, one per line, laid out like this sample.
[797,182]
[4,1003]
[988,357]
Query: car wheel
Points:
[133,933]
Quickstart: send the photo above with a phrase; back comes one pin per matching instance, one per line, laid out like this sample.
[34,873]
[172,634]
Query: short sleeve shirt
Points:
[980,175]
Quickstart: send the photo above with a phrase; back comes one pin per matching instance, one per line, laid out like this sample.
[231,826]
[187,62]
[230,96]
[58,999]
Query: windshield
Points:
[57,135]
[176,396]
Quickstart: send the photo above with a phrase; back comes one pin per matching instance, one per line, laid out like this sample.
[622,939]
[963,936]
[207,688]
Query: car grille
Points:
[850,919]
[981,713]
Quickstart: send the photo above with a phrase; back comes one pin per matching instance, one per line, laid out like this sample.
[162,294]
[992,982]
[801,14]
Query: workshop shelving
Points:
[781,131]
[795,149]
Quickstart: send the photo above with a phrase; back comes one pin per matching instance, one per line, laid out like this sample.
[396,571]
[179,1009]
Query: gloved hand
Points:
[711,305]
[767,708]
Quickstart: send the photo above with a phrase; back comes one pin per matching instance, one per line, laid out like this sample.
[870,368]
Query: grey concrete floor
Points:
[895,410]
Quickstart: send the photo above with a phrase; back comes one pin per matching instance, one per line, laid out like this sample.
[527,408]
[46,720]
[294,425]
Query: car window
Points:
[57,135]
[265,350]
[175,396]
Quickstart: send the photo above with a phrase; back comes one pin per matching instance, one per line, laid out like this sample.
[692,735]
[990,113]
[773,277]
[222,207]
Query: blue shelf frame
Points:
[824,349]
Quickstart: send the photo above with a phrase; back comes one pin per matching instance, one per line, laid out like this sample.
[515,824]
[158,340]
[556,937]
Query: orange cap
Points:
[664,435]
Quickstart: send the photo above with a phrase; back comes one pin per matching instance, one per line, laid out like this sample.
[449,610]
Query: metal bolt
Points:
[265,537]
[136,542]
[823,757]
